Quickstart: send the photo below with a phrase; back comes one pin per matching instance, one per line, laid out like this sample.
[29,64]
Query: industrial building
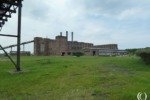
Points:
[58,46]
[61,46]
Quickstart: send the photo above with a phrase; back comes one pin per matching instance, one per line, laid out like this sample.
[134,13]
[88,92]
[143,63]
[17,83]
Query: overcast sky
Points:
[124,22]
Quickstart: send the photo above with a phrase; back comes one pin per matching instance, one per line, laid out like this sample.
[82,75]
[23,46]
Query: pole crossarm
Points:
[7,35]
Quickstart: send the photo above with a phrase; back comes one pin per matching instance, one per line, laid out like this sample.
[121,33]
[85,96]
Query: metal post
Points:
[23,47]
[19,35]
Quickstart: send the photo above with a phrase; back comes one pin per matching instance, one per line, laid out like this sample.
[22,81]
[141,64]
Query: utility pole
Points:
[19,35]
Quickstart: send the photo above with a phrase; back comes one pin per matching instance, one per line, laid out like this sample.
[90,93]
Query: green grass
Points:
[75,78]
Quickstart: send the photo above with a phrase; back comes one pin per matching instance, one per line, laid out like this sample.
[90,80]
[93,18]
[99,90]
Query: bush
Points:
[144,54]
[131,51]
[78,54]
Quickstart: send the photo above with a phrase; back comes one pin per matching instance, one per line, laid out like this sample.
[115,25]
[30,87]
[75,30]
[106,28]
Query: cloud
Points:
[128,13]
[96,21]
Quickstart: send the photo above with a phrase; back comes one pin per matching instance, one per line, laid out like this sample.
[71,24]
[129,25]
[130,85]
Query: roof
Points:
[7,7]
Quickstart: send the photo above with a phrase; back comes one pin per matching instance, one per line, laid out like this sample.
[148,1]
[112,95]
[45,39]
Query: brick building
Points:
[61,46]
[58,46]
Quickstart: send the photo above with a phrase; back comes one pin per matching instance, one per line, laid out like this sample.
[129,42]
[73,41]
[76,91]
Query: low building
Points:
[104,52]
[22,53]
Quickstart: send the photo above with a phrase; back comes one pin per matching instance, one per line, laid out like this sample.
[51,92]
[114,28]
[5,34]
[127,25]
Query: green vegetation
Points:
[78,54]
[144,54]
[75,78]
[131,51]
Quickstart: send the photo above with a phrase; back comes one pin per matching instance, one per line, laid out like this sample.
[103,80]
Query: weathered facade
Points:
[22,53]
[61,46]
[58,46]
[107,46]
[104,50]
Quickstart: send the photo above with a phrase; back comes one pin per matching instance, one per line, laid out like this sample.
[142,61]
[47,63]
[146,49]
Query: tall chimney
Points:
[72,36]
[67,35]
[60,33]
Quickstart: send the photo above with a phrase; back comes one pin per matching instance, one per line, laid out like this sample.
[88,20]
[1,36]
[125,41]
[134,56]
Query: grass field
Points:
[75,78]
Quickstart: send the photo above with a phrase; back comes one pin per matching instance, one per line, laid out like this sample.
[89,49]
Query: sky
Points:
[123,22]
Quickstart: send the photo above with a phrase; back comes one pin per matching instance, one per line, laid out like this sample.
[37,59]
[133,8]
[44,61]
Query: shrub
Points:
[144,54]
[78,54]
[131,51]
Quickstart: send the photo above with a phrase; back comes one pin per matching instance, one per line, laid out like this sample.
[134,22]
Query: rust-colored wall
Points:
[58,46]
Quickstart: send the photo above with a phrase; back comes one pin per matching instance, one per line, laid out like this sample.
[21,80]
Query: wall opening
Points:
[63,53]
[94,53]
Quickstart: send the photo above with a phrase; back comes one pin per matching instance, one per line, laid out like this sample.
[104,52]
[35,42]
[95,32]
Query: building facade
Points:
[58,46]
[61,46]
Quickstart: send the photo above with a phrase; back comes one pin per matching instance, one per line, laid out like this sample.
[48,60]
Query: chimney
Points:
[72,36]
[67,35]
[60,33]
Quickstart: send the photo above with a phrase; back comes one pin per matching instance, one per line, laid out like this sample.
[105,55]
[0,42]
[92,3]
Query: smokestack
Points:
[72,36]
[60,33]
[67,35]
